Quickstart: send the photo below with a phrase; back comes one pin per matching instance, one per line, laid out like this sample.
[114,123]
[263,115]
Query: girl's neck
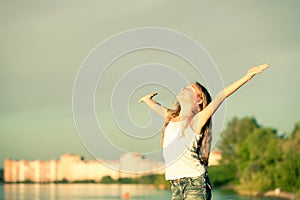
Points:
[183,116]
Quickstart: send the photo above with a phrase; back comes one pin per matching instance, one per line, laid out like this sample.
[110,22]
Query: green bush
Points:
[84,181]
[128,180]
[221,175]
[63,181]
[1,176]
[107,180]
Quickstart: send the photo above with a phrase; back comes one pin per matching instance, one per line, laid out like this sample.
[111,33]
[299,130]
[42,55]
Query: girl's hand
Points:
[257,69]
[148,96]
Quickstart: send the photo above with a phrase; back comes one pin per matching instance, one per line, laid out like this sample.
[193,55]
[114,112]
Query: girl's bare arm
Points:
[207,112]
[153,105]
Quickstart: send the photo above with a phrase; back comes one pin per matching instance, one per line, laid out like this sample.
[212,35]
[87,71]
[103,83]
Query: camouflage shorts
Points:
[190,188]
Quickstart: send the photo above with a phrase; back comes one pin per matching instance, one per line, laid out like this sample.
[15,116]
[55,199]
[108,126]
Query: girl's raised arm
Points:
[207,112]
[153,105]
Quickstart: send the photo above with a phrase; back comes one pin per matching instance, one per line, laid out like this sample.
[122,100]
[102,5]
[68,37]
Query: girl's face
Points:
[188,95]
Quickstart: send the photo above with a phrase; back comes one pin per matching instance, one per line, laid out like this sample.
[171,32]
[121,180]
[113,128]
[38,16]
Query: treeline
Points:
[153,179]
[256,159]
[1,175]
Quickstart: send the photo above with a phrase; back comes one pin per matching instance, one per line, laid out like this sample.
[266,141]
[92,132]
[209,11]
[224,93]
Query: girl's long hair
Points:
[205,133]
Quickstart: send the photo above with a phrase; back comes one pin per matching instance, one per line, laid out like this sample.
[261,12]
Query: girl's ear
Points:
[199,100]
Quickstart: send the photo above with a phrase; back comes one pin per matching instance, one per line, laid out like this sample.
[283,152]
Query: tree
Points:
[236,132]
[1,175]
[287,175]
[259,159]
[257,168]
[107,180]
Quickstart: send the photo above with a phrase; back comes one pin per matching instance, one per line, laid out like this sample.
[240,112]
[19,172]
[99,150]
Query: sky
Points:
[44,43]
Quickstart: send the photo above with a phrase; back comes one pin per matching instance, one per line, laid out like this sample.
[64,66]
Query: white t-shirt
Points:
[180,152]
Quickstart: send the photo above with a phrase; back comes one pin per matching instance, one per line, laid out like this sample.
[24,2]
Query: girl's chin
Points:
[180,99]
[179,95]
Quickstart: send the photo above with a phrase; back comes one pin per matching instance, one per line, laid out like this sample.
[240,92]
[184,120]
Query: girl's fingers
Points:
[265,66]
[150,96]
[154,94]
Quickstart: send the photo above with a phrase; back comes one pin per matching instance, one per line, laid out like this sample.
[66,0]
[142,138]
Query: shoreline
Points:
[158,186]
[277,193]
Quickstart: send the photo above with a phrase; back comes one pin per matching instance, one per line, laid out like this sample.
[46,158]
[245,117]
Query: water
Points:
[95,191]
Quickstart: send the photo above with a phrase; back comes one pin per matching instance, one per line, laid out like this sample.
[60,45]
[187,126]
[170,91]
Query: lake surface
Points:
[96,191]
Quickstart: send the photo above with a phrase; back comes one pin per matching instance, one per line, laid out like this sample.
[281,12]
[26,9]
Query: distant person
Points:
[186,136]
[126,196]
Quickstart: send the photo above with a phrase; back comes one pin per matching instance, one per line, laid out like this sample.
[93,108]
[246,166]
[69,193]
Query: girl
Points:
[186,136]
